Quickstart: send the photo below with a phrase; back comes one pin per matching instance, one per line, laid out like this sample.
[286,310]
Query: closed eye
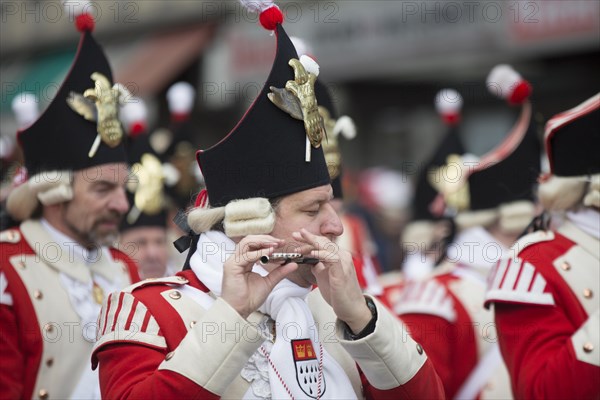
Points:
[103,187]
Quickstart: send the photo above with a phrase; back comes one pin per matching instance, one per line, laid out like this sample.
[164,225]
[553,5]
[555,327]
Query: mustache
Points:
[113,217]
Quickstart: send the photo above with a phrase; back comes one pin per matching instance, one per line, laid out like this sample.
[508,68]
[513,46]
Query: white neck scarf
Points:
[72,246]
[587,219]
[475,247]
[81,293]
[298,364]
[82,300]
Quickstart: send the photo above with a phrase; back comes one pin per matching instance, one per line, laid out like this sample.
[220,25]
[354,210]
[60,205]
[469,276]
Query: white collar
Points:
[476,247]
[587,219]
[71,245]
[287,305]
[212,251]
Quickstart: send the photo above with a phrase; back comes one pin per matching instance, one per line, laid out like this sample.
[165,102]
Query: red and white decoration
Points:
[269,13]
[134,116]
[180,98]
[503,81]
[448,103]
[81,12]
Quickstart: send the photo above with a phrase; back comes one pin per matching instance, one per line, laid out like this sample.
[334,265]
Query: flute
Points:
[286,258]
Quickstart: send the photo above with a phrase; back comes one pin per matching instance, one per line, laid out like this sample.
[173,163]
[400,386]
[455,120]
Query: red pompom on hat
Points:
[134,116]
[180,99]
[270,17]
[506,83]
[520,93]
[79,11]
[84,23]
[269,13]
[137,128]
[448,103]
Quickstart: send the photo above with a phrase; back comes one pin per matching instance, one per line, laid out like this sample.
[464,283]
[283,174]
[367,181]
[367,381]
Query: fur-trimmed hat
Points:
[478,191]
[273,151]
[78,130]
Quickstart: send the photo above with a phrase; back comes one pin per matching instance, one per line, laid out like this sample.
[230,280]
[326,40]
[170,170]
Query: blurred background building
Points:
[384,60]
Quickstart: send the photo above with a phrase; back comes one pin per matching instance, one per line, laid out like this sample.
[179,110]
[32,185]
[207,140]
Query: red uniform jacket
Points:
[44,344]
[547,314]
[164,339]
[445,314]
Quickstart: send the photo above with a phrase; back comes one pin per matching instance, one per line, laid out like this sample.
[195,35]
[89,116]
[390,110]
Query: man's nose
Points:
[119,201]
[332,224]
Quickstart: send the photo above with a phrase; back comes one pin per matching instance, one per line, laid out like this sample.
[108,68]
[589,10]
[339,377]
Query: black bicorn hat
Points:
[331,148]
[509,172]
[80,128]
[146,186]
[146,189]
[572,140]
[182,135]
[425,193]
[268,154]
[335,126]
[448,103]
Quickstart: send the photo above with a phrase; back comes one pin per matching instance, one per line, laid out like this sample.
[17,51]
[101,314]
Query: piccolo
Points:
[285,258]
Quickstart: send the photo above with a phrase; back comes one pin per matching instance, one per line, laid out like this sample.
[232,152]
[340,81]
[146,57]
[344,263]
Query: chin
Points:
[306,275]
[106,238]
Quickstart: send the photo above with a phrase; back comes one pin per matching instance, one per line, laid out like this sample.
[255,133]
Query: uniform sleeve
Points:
[11,367]
[394,365]
[12,374]
[136,361]
[440,338]
[129,371]
[537,346]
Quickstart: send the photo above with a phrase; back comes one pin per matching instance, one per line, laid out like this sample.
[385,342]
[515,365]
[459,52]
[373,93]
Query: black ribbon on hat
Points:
[187,241]
[538,223]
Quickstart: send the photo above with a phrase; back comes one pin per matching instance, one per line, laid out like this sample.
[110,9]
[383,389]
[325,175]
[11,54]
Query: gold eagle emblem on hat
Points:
[101,105]
[331,150]
[451,181]
[299,100]
[148,187]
